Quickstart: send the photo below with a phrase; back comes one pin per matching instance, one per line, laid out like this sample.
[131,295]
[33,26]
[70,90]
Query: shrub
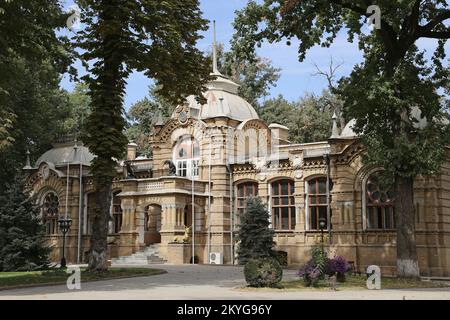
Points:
[22,235]
[263,272]
[320,258]
[255,236]
[310,273]
[339,266]
[282,258]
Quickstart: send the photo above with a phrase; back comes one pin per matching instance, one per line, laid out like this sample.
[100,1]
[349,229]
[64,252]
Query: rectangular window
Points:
[244,191]
[317,202]
[283,205]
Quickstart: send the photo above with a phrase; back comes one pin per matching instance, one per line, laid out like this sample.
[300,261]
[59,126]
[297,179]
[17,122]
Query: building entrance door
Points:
[152,224]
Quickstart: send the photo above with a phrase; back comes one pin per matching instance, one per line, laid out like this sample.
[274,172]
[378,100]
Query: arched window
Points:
[50,211]
[117,212]
[316,201]
[283,205]
[244,191]
[380,204]
[186,157]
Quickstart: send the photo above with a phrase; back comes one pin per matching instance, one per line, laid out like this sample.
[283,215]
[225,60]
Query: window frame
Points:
[292,214]
[187,167]
[245,196]
[117,216]
[309,205]
[54,219]
[384,206]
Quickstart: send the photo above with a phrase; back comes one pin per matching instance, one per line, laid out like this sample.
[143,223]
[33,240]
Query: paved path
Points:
[203,282]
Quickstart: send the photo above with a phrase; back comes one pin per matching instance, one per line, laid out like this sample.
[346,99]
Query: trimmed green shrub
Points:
[255,237]
[263,272]
[282,257]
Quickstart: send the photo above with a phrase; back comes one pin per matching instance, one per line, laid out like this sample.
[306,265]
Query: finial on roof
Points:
[215,68]
[159,118]
[334,130]
[28,163]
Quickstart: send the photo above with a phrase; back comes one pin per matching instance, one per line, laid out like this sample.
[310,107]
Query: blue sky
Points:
[297,78]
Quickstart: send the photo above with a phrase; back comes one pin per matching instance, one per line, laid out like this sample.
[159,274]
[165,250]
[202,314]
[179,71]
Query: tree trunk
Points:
[98,255]
[407,265]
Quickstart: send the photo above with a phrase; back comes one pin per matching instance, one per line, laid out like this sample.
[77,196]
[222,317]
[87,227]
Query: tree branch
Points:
[435,34]
[438,19]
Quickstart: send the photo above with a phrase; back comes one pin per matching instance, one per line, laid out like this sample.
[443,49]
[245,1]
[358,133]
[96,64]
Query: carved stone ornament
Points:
[298,174]
[297,161]
[262,176]
[45,171]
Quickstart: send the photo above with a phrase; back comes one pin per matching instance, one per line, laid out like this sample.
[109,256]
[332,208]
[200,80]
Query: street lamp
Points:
[64,226]
[322,224]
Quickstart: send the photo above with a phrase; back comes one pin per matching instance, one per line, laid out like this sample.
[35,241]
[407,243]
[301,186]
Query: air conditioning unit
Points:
[215,258]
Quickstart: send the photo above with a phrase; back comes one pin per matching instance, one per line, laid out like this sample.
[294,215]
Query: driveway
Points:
[203,282]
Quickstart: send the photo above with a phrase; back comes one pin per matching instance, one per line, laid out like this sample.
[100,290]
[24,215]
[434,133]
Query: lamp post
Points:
[64,226]
[322,224]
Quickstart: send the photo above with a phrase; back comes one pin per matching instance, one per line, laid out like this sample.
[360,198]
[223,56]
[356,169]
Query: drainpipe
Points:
[80,206]
[209,189]
[231,214]
[327,164]
[193,203]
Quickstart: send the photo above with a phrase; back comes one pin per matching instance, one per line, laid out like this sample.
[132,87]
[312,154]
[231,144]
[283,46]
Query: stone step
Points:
[148,256]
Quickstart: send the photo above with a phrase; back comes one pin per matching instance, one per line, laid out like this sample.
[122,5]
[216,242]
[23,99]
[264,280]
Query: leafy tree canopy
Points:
[142,117]
[255,75]
[308,119]
[32,57]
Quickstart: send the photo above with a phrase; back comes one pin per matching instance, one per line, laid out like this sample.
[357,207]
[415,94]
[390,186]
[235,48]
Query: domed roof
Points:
[416,114]
[60,155]
[348,130]
[222,100]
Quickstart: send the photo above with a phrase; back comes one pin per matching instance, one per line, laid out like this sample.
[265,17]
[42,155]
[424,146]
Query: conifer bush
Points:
[22,242]
[266,272]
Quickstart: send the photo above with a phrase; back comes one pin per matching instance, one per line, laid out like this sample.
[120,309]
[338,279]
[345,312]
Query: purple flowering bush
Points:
[339,266]
[310,273]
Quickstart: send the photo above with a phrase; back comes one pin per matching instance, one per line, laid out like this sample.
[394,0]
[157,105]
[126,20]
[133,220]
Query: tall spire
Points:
[28,163]
[334,130]
[215,68]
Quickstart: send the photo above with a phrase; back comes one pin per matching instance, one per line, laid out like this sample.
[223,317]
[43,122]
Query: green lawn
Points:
[356,282]
[10,280]
[359,282]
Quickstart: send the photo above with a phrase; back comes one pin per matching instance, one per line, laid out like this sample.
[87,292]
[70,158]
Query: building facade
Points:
[207,160]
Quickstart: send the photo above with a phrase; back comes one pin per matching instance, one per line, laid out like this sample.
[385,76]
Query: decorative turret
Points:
[334,130]
[28,163]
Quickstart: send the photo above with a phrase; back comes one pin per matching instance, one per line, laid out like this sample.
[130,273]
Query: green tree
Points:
[77,109]
[392,64]
[32,58]
[23,245]
[308,120]
[142,117]
[254,236]
[156,37]
[255,75]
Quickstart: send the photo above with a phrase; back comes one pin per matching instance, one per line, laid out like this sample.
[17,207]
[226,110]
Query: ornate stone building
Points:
[207,160]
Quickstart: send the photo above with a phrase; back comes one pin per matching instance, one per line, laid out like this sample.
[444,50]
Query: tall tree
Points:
[308,119]
[254,236]
[157,37]
[142,117]
[32,58]
[254,74]
[392,63]
[77,109]
[22,234]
